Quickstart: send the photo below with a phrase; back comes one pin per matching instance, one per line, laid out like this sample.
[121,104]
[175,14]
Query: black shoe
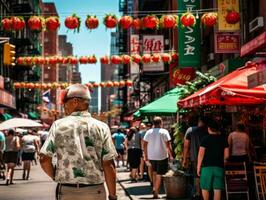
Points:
[7,181]
[24,176]
[196,197]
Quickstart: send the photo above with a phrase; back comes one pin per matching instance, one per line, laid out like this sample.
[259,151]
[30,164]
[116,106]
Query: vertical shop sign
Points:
[189,37]
[134,49]
[153,44]
[223,6]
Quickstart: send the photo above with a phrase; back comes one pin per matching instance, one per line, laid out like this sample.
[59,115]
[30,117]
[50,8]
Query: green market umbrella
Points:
[165,105]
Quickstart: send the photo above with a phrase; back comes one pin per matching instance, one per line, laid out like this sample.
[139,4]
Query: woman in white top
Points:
[239,144]
[30,145]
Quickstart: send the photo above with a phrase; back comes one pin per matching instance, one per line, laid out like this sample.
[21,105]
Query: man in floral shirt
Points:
[84,149]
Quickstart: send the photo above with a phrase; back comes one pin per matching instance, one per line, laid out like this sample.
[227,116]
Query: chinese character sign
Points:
[134,44]
[223,6]
[153,44]
[227,42]
[189,37]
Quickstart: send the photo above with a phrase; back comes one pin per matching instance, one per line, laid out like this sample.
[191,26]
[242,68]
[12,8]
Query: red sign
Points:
[253,45]
[227,42]
[180,75]
[7,99]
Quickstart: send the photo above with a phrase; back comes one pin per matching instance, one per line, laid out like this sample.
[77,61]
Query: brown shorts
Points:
[91,192]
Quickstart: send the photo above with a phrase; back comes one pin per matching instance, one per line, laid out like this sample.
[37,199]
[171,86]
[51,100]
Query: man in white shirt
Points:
[157,146]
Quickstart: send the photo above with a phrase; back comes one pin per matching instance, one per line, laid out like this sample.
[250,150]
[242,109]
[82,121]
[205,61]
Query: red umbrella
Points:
[231,89]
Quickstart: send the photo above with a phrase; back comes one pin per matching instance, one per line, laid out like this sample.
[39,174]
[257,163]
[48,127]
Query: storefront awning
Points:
[231,89]
[257,44]
[6,116]
[165,105]
[33,115]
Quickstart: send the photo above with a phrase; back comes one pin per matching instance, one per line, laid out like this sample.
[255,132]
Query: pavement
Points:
[41,187]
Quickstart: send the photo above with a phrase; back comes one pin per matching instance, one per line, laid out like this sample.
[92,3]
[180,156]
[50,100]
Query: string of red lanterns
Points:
[73,22]
[55,85]
[115,59]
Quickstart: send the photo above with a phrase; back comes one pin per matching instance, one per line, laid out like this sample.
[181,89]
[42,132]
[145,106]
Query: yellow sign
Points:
[223,7]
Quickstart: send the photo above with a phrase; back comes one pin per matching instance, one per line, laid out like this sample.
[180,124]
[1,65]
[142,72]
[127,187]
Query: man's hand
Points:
[110,177]
[198,171]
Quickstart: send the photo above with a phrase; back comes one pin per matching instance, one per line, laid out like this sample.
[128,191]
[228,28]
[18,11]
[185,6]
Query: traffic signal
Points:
[9,54]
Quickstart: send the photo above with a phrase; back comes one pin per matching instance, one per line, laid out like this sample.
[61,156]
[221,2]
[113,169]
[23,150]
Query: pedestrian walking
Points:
[84,149]
[193,138]
[2,149]
[157,145]
[119,139]
[142,131]
[214,150]
[133,146]
[30,145]
[12,144]
[239,144]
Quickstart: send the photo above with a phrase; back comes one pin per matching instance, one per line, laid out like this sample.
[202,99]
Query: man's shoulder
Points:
[97,123]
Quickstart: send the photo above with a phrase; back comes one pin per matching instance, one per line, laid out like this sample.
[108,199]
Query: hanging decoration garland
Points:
[115,59]
[168,21]
[55,85]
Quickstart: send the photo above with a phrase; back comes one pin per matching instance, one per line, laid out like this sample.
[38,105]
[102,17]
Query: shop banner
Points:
[227,42]
[189,37]
[257,79]
[153,44]
[134,49]
[7,99]
[180,75]
[223,6]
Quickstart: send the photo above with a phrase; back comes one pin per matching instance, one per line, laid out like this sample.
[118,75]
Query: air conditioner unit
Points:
[256,24]
[210,57]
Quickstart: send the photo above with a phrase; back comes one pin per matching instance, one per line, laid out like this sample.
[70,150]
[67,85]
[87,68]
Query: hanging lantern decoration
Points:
[104,60]
[92,59]
[126,59]
[136,58]
[156,58]
[110,21]
[116,60]
[73,22]
[52,23]
[232,17]
[150,21]
[60,59]
[129,83]
[169,21]
[88,85]
[116,84]
[36,23]
[166,58]
[73,60]
[6,24]
[83,60]
[109,84]
[137,23]
[102,84]
[37,86]
[20,61]
[28,60]
[65,60]
[17,23]
[122,84]
[92,22]
[95,84]
[174,56]
[126,22]
[52,60]
[209,19]
[188,19]
[17,85]
[146,58]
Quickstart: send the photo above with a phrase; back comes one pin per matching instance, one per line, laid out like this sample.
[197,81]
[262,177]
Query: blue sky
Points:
[85,42]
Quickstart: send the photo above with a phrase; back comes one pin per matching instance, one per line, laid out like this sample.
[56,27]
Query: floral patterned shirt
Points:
[80,143]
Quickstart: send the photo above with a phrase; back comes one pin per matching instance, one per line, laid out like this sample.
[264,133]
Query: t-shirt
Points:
[119,140]
[28,143]
[2,141]
[214,150]
[135,141]
[157,138]
[195,135]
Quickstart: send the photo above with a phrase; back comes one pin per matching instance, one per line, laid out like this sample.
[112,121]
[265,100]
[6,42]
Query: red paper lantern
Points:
[102,84]
[232,17]
[126,22]
[110,21]
[17,23]
[209,19]
[126,59]
[20,61]
[116,60]
[188,19]
[36,23]
[73,60]
[83,60]
[156,58]
[122,84]
[136,58]
[166,58]
[52,23]
[7,24]
[137,23]
[150,21]
[95,84]
[169,21]
[109,84]
[146,58]
[92,22]
[116,84]
[73,22]
[92,59]
[129,83]
[104,60]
